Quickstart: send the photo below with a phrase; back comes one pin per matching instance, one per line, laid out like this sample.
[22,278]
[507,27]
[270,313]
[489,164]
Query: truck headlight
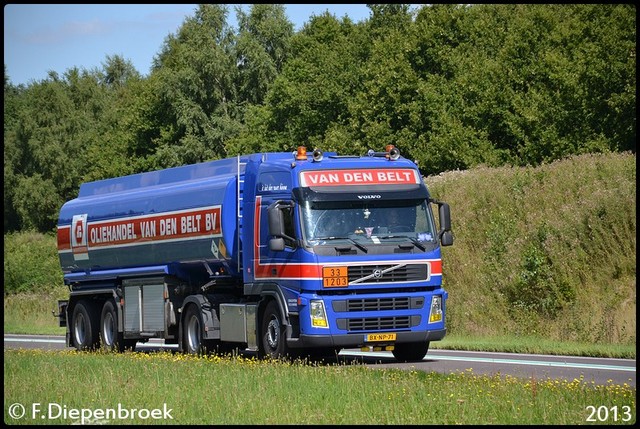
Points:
[317,314]
[435,315]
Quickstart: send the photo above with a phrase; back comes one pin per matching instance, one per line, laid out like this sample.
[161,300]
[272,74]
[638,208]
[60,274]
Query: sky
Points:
[39,38]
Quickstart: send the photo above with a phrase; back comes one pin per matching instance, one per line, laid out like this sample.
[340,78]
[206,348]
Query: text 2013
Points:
[604,414]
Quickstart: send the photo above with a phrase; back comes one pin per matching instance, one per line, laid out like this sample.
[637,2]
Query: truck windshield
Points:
[367,223]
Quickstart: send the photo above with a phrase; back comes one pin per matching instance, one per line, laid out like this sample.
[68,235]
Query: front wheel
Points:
[273,342]
[410,352]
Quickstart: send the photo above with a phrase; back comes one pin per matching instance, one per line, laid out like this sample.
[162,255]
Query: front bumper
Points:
[358,340]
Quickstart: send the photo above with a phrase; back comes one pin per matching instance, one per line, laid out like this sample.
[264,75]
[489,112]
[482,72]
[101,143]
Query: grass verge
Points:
[234,390]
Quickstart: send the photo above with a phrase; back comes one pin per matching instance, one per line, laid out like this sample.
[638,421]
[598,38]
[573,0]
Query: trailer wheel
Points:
[273,343]
[192,333]
[110,338]
[410,352]
[84,326]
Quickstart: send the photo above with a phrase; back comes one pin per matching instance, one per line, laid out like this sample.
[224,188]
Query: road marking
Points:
[504,361]
[154,342]
[159,342]
[32,340]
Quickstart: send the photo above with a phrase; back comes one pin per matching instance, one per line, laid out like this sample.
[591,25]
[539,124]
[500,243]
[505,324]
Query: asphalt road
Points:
[600,371]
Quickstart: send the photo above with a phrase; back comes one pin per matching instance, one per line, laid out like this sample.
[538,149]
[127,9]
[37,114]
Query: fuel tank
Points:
[179,215]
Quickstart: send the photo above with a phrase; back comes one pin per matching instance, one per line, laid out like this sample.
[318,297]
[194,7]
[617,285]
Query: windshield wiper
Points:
[418,244]
[355,243]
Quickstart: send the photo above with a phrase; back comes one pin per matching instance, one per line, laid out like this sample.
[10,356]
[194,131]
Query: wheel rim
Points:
[193,333]
[108,330]
[79,331]
[273,333]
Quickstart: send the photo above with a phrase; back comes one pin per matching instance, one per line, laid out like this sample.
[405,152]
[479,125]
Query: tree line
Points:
[452,86]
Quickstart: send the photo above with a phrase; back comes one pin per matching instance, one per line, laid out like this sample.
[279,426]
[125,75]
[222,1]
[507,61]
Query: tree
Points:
[117,71]
[55,125]
[312,93]
[262,47]
[193,84]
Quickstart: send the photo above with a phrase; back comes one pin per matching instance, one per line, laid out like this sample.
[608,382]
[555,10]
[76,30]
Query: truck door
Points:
[279,244]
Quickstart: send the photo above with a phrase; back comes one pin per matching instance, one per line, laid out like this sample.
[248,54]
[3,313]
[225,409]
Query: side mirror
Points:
[276,244]
[277,227]
[276,221]
[446,239]
[445,216]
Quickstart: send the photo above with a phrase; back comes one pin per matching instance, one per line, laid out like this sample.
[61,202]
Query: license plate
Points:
[380,337]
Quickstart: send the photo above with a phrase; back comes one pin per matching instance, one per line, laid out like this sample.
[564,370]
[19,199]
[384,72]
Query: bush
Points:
[31,263]
[549,250]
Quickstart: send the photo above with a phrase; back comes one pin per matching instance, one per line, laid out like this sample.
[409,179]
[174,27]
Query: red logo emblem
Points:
[79,232]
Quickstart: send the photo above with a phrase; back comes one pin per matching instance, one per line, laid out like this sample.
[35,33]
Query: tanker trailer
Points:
[136,249]
[283,254]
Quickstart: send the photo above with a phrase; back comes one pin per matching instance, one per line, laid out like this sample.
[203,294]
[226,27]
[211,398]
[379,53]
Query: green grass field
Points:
[235,390]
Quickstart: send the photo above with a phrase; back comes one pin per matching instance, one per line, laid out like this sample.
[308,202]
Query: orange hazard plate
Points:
[335,277]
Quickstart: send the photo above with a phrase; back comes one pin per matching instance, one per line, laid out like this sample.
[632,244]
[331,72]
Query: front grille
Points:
[372,274]
[375,304]
[378,323]
[378,304]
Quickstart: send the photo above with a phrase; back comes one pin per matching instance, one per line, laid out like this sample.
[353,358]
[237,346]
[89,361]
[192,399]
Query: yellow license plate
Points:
[335,276]
[380,337]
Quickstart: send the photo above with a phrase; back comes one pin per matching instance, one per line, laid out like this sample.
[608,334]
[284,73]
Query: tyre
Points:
[410,352]
[192,332]
[110,338]
[273,342]
[84,326]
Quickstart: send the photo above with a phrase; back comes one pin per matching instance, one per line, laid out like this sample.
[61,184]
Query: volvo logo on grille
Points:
[376,273]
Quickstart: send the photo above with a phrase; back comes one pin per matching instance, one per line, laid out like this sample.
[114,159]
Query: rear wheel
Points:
[193,324]
[410,352]
[84,326]
[110,338]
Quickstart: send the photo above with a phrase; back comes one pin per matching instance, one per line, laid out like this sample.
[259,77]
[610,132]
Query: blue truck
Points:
[281,254]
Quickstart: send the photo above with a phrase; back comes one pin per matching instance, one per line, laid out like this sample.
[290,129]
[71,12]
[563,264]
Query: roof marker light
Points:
[301,154]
